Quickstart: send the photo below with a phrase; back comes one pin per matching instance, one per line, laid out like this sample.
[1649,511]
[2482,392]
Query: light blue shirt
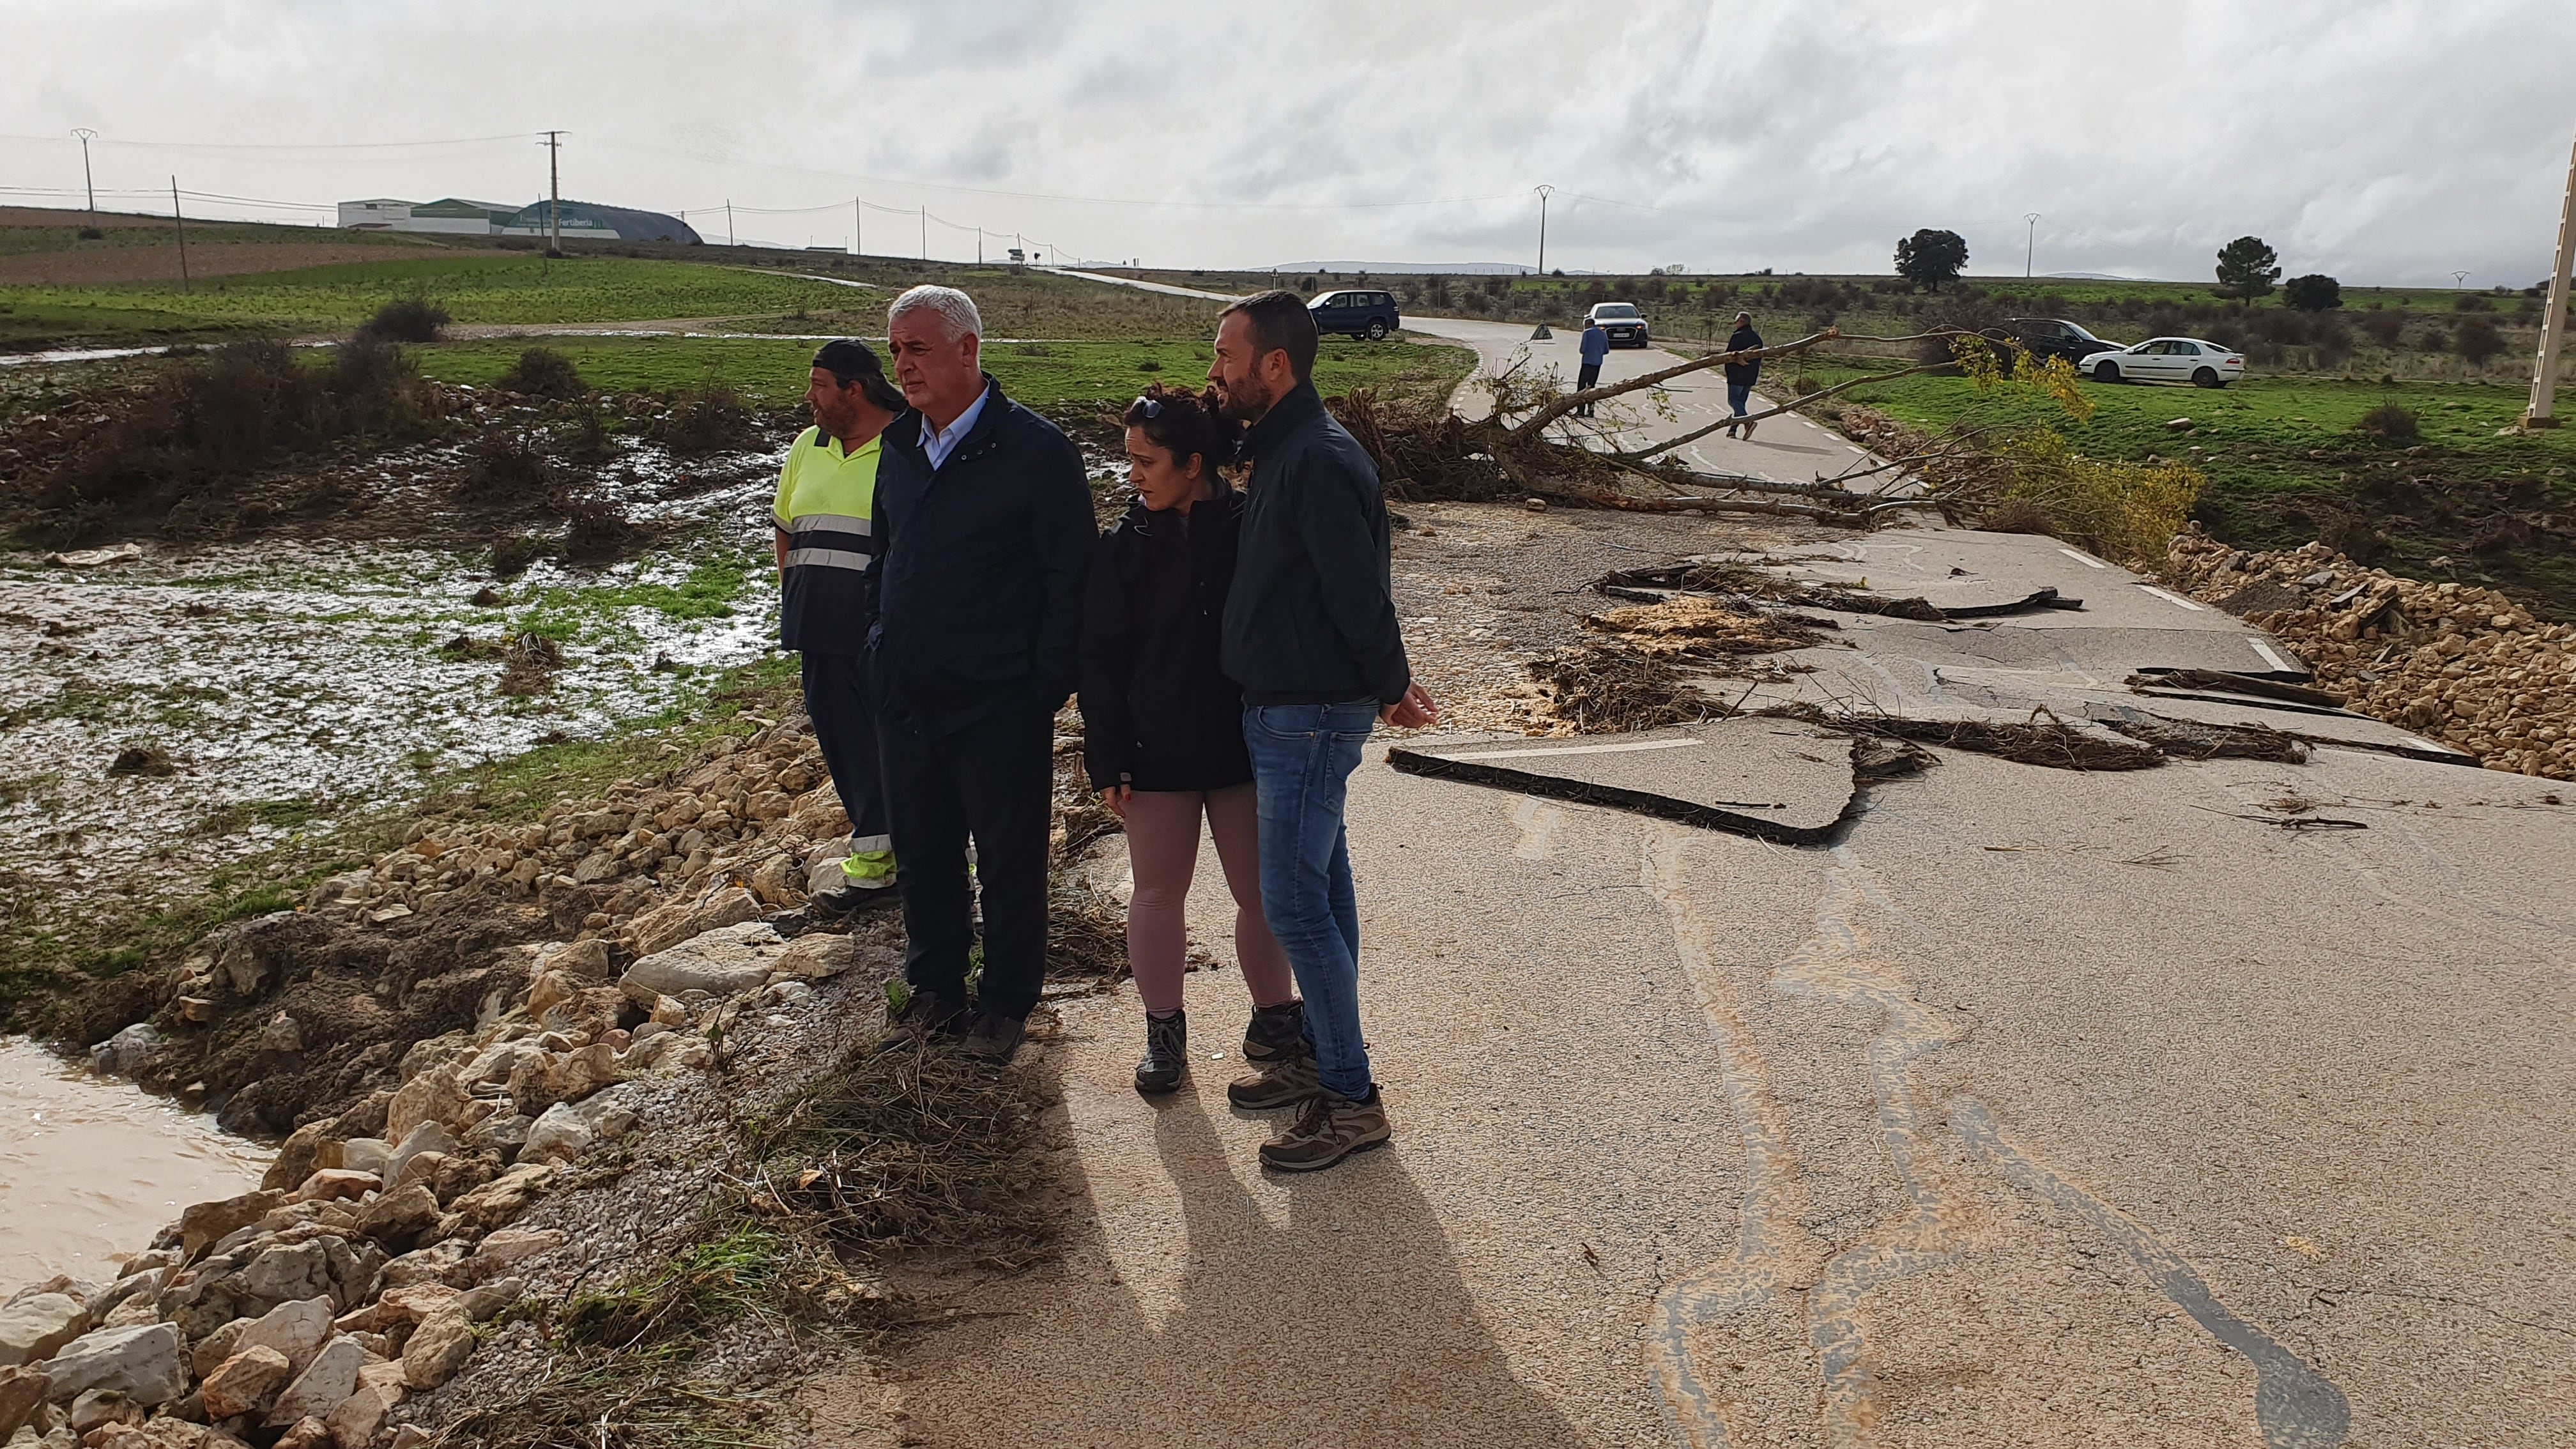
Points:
[938,443]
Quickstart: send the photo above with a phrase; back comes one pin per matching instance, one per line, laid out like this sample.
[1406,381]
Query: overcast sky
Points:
[2380,142]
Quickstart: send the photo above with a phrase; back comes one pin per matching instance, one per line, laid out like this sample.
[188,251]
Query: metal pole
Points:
[554,193]
[979,246]
[2459,280]
[1542,228]
[88,186]
[858,230]
[925,233]
[729,222]
[2553,326]
[2030,243]
[181,223]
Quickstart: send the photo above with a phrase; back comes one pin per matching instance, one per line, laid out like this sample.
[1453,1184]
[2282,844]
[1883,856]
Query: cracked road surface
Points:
[2038,1107]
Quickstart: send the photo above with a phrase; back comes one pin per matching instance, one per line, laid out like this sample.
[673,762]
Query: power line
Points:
[276,145]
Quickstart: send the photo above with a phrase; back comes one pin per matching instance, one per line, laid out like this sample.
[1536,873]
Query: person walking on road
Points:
[1741,375]
[985,530]
[1311,634]
[826,544]
[1162,727]
[1596,350]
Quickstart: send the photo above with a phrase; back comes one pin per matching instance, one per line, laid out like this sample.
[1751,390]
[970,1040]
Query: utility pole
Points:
[729,221]
[2459,280]
[979,246]
[1542,227]
[2029,243]
[925,233]
[858,229]
[181,223]
[2553,325]
[554,193]
[87,185]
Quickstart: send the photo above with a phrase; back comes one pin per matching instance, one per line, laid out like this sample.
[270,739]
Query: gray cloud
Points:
[2383,142]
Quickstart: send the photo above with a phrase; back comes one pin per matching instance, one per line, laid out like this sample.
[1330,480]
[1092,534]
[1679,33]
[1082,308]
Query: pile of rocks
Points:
[755,816]
[303,1314]
[2463,665]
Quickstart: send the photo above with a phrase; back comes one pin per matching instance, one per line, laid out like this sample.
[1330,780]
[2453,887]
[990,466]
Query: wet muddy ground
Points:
[165,716]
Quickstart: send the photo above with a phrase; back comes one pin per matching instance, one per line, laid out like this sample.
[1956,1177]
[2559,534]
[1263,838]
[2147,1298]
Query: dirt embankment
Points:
[99,264]
[2464,665]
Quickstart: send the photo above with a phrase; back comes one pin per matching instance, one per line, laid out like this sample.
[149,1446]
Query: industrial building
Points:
[456,216]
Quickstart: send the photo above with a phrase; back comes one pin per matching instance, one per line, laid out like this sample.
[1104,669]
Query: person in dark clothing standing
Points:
[825,545]
[1594,350]
[1741,375]
[1311,634]
[985,531]
[1162,726]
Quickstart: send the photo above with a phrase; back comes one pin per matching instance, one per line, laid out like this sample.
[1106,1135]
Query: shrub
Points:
[2384,327]
[513,552]
[407,319]
[2476,341]
[2125,512]
[501,464]
[2390,421]
[2472,302]
[709,418]
[2315,292]
[91,233]
[544,372]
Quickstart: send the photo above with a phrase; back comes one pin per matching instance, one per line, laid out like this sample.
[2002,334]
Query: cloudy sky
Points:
[2391,143]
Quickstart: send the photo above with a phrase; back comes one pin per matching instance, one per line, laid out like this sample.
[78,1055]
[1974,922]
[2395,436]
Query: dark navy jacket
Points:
[1311,616]
[1749,371]
[1158,712]
[978,584]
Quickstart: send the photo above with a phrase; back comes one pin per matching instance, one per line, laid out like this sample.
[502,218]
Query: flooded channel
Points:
[91,1168]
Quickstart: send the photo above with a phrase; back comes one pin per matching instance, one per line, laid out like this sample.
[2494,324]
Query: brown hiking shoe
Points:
[1284,1082]
[1331,1128]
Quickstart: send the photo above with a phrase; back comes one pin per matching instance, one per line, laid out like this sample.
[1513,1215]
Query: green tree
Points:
[2247,268]
[1928,258]
[2315,292]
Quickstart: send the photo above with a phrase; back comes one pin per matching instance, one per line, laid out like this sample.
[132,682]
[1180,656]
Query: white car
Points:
[1625,324]
[2167,359]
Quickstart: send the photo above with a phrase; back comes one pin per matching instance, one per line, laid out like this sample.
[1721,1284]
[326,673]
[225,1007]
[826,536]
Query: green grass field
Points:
[1049,376]
[2286,464]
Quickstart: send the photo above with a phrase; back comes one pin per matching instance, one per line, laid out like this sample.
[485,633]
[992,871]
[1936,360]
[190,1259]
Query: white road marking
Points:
[2171,598]
[2090,563]
[1570,750]
[2275,660]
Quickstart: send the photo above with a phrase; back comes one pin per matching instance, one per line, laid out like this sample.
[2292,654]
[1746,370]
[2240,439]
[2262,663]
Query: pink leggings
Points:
[1163,850]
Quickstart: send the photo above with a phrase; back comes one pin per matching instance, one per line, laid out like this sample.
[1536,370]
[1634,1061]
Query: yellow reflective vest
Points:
[827,507]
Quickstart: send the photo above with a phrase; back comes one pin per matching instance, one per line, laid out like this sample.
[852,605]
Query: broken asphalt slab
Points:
[1771,779]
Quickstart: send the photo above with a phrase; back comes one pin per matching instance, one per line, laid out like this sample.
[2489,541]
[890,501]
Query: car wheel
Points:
[2206,377]
[2106,372]
[1377,329]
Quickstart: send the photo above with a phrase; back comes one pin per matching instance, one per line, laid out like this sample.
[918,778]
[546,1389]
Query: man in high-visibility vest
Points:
[826,544]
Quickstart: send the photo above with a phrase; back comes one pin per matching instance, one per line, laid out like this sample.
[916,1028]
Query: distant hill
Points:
[1392,269]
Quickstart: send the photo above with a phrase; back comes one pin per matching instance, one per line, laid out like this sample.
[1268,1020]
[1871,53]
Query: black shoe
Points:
[994,1037]
[927,1019]
[1276,1032]
[1167,1053]
[824,908]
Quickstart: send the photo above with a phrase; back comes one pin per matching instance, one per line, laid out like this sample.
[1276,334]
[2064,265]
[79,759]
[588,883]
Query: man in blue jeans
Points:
[1742,373]
[1595,351]
[1310,633]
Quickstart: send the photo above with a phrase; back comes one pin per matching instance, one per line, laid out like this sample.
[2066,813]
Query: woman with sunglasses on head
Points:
[1163,726]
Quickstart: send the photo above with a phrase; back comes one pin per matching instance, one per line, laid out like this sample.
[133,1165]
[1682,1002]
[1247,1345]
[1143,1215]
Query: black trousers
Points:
[1584,377]
[992,780]
[845,725]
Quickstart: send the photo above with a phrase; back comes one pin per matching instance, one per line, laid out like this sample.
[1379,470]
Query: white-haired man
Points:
[984,519]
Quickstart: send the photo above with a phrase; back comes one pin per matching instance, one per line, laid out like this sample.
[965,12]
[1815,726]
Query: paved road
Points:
[2042,1107]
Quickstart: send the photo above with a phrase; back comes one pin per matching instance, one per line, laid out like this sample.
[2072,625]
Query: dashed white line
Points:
[2090,563]
[2171,598]
[2271,658]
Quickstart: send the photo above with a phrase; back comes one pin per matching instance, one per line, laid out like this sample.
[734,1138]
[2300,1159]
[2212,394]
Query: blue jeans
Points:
[1302,758]
[1737,394]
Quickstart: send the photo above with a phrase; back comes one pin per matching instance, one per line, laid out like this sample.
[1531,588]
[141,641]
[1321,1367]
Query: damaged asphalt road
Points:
[2037,1105]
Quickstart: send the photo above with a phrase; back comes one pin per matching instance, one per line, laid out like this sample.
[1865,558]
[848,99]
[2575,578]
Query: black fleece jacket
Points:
[978,589]
[1311,616]
[1749,371]
[1158,712]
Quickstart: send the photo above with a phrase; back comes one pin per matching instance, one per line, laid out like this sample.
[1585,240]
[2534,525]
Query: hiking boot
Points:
[831,907]
[1281,1083]
[1331,1128]
[1167,1053]
[1748,432]
[925,1020]
[994,1037]
[1275,1032]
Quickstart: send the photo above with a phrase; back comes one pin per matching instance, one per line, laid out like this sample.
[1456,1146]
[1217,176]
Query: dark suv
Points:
[2048,337]
[1355,314]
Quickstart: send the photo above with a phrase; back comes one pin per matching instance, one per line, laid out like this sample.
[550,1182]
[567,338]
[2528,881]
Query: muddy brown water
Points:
[91,1167]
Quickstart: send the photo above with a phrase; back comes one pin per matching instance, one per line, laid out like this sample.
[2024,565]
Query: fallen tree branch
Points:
[1537,422]
[1604,498]
[1777,409]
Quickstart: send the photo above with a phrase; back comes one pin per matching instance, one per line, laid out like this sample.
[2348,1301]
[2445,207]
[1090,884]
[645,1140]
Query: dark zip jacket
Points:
[1311,616]
[977,587]
[1157,711]
[1749,371]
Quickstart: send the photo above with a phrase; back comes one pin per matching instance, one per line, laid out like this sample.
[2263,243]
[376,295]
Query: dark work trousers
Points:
[845,725]
[1586,377]
[992,780]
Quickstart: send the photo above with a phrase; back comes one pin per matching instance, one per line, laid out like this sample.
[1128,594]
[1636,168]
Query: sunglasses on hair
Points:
[1153,406]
